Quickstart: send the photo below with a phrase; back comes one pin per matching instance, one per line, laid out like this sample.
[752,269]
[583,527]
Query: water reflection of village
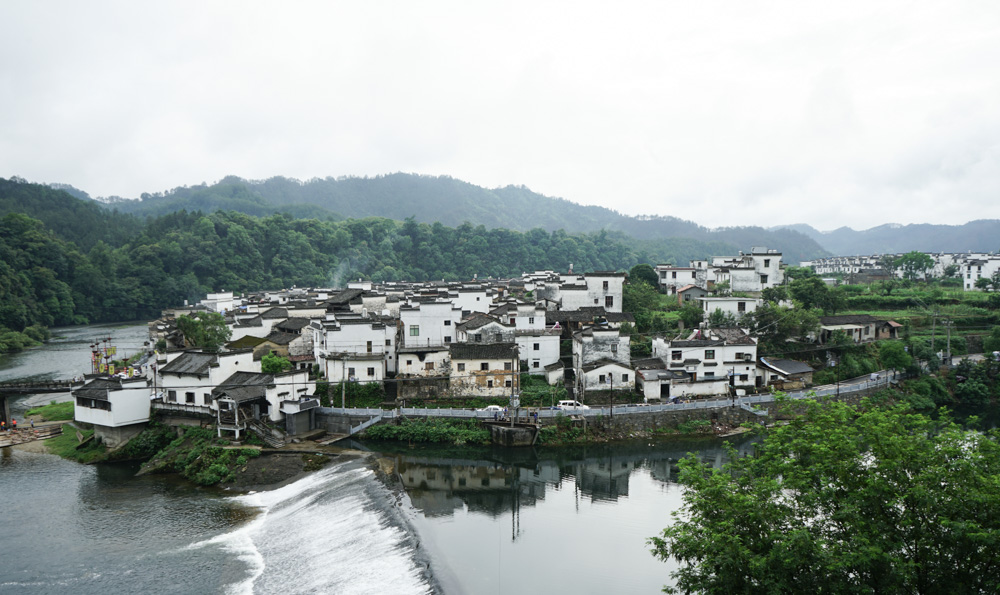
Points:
[500,481]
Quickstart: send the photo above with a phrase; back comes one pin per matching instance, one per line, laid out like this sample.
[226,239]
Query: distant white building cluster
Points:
[753,272]
[969,266]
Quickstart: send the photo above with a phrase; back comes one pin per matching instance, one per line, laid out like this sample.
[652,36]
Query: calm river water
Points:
[469,521]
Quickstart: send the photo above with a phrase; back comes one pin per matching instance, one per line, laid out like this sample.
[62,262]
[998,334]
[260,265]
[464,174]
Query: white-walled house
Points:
[245,396]
[186,381]
[118,408]
[358,349]
[606,375]
[672,278]
[711,360]
[736,306]
[429,323]
[220,302]
[597,343]
[483,370]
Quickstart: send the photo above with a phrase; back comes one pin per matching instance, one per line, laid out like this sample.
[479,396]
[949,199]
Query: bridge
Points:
[41,386]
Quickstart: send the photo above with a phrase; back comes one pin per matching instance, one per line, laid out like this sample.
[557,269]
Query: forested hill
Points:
[65,261]
[453,202]
[982,235]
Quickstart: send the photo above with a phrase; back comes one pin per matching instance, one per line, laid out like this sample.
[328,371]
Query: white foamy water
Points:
[335,531]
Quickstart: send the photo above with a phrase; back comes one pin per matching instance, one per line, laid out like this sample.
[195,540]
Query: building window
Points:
[507,383]
[743,377]
[461,367]
[368,346]
[447,338]
[447,323]
[208,398]
[601,379]
[484,366]
[536,346]
[709,374]
[388,342]
[739,355]
[624,377]
[605,286]
[596,302]
[763,278]
[409,362]
[414,330]
[609,301]
[741,306]
[531,320]
[507,366]
[709,354]
[676,355]
[489,384]
[371,372]
[350,372]
[189,398]
[478,337]
[673,275]
[536,364]
[614,348]
[429,366]
[767,262]
[172,395]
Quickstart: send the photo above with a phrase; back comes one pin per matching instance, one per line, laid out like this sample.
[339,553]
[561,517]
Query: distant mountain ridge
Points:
[453,202]
[982,235]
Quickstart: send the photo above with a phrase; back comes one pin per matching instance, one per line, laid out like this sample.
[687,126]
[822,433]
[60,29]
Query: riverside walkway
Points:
[845,387]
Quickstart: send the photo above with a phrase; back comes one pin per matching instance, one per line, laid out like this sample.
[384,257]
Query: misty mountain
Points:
[982,235]
[453,202]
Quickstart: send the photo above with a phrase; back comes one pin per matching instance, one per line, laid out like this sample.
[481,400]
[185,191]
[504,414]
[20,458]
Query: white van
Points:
[572,406]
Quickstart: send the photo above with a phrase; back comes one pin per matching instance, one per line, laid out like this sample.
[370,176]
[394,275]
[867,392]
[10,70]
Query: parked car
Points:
[492,409]
[572,406]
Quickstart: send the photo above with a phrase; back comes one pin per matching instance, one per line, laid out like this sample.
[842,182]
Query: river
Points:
[455,520]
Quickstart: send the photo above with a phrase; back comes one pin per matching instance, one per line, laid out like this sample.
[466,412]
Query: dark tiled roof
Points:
[788,366]
[244,386]
[98,388]
[255,321]
[483,351]
[848,319]
[344,297]
[274,314]
[280,338]
[603,362]
[190,362]
[248,341]
[292,324]
[697,343]
[553,367]
[479,321]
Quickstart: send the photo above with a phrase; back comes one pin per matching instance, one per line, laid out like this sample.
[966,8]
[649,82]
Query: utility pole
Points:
[933,328]
[343,385]
[948,323]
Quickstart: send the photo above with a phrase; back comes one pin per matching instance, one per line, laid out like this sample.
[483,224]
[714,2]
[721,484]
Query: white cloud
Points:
[722,112]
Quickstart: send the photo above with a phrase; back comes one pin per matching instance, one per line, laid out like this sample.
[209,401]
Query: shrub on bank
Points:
[431,430]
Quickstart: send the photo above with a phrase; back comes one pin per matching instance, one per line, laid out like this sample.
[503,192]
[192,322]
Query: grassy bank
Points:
[68,446]
[53,411]
[444,431]
[200,457]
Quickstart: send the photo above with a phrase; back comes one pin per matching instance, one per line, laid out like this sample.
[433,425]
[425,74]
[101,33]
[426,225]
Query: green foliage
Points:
[273,363]
[812,292]
[718,319]
[693,426]
[691,314]
[431,430]
[893,355]
[150,441]
[54,411]
[914,264]
[776,325]
[643,273]
[855,500]
[67,446]
[206,330]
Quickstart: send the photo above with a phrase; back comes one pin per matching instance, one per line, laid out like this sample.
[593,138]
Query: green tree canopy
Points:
[643,272]
[844,500]
[914,264]
[273,363]
[205,330]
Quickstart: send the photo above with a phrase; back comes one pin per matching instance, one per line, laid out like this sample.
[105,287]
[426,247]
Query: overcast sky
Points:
[724,113]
